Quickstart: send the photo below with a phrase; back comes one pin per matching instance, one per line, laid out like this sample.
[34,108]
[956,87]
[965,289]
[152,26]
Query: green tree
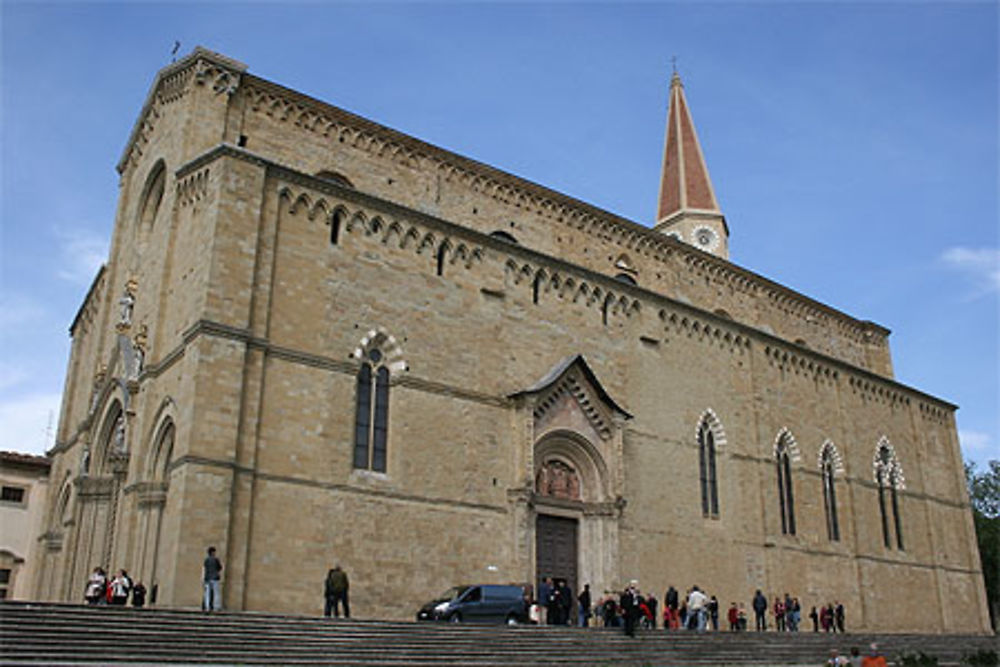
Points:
[984,494]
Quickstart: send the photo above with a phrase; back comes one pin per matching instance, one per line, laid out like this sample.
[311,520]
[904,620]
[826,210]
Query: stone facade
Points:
[269,248]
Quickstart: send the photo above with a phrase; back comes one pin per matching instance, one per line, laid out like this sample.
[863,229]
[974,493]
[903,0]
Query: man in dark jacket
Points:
[760,610]
[335,592]
[629,602]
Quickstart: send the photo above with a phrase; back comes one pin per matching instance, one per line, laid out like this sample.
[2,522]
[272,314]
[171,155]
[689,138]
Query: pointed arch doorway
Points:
[568,510]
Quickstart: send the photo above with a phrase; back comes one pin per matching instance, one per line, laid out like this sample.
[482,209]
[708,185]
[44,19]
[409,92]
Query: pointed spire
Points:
[684,185]
[687,208]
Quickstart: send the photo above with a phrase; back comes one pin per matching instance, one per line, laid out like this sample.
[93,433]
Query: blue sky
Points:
[853,146]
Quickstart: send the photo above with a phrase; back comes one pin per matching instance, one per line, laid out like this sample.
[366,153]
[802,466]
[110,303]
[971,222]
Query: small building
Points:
[24,481]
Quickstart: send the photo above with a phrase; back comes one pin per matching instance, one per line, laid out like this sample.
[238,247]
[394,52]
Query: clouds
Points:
[81,253]
[982,265]
[29,422]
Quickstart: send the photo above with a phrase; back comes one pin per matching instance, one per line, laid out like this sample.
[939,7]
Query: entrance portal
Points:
[556,550]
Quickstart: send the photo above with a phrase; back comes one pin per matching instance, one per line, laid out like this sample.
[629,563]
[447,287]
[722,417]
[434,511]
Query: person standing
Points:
[336,592]
[584,605]
[838,616]
[212,580]
[545,592]
[630,607]
[96,584]
[138,595]
[671,602]
[815,619]
[760,610]
[697,607]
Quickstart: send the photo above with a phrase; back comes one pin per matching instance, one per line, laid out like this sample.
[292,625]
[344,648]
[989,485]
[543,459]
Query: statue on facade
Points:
[118,440]
[139,343]
[126,304]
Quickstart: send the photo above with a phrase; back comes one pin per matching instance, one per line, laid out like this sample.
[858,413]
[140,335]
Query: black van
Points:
[478,604]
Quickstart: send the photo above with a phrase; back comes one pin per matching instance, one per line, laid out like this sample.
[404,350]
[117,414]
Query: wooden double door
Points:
[556,550]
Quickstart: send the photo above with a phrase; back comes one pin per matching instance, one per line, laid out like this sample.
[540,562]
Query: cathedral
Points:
[317,340]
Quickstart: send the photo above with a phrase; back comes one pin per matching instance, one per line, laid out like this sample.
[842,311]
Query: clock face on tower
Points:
[706,238]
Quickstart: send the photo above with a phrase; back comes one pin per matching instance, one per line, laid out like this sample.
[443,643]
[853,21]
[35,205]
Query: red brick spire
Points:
[684,185]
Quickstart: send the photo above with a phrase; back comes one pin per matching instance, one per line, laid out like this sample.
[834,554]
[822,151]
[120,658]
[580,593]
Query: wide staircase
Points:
[59,634]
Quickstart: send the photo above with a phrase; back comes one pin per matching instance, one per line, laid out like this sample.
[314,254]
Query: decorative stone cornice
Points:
[727,331]
[171,84]
[312,115]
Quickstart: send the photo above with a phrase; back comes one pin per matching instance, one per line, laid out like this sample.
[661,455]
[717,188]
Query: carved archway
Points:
[569,467]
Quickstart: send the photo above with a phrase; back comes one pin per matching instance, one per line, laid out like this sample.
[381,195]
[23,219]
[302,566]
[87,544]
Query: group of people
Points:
[104,590]
[830,617]
[695,610]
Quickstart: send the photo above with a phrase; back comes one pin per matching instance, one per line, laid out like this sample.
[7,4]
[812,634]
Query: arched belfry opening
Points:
[567,511]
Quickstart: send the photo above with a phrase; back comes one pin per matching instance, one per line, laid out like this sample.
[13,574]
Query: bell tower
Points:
[687,207]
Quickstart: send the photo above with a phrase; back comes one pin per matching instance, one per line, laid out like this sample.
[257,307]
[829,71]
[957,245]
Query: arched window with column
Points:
[827,471]
[889,478]
[786,497]
[371,426]
[707,470]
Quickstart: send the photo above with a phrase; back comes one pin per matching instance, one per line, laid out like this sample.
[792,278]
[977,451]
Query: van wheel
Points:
[512,620]
[455,618]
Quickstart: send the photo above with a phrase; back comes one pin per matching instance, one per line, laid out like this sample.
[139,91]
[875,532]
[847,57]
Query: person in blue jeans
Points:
[212,582]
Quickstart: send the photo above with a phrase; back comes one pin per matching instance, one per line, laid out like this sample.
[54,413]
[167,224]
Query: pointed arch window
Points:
[335,223]
[152,194]
[371,425]
[888,478]
[707,471]
[827,470]
[786,499]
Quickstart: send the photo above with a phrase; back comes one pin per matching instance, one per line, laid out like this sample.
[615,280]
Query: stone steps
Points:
[75,634]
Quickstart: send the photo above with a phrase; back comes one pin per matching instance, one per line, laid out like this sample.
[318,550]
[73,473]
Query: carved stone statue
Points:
[126,304]
[118,440]
[139,349]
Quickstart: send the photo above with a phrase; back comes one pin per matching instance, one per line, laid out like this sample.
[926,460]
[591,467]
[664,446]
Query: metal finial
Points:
[673,63]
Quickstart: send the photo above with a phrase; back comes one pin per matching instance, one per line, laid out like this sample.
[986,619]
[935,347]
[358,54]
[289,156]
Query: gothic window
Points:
[829,495]
[335,222]
[786,501]
[441,255]
[888,478]
[706,469]
[152,194]
[372,420]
